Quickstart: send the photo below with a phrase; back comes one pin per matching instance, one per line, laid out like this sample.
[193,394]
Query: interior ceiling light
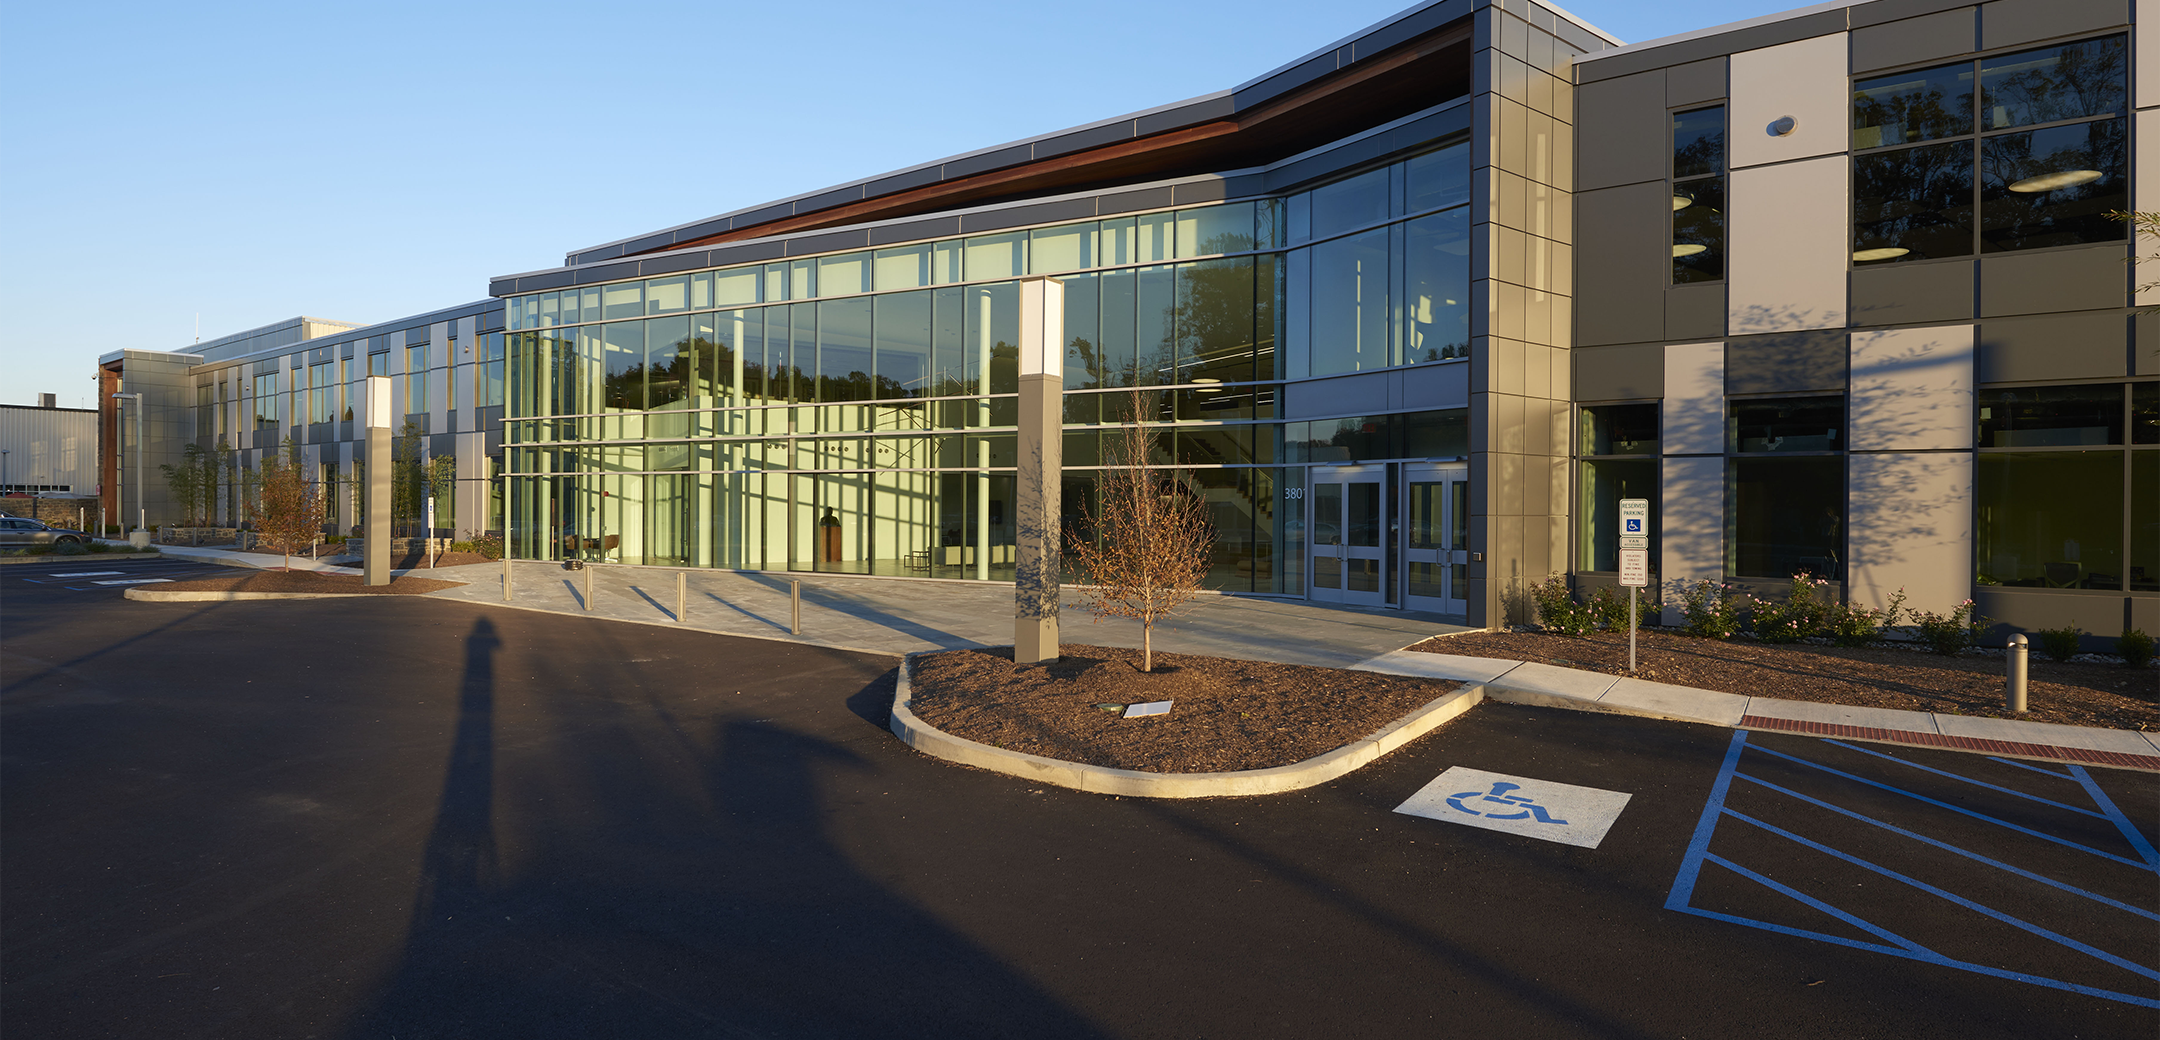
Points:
[2052,181]
[1861,256]
[1681,202]
[1205,379]
[1681,249]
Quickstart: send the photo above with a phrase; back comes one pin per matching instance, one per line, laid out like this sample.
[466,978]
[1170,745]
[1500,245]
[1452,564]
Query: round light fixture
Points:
[1681,202]
[1681,249]
[1861,256]
[2052,181]
[1208,390]
[1782,125]
[1205,379]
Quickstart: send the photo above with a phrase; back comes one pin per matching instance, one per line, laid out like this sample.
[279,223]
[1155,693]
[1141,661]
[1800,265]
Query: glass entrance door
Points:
[1349,519]
[1436,553]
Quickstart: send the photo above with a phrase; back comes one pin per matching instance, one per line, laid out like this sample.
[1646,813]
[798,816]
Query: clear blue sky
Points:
[250,162]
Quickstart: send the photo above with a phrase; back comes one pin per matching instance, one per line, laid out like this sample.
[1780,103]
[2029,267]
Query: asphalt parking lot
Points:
[408,818]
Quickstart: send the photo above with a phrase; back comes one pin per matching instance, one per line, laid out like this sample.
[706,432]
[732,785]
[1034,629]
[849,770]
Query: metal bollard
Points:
[506,579]
[794,607]
[2014,682]
[682,583]
[588,569]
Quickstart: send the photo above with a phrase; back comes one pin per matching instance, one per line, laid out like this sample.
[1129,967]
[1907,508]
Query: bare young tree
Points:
[1142,550]
[292,506]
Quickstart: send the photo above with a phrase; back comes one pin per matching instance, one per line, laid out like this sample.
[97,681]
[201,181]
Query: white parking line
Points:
[131,581]
[84,574]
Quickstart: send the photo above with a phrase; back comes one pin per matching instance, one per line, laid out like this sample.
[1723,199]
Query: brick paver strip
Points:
[2148,763]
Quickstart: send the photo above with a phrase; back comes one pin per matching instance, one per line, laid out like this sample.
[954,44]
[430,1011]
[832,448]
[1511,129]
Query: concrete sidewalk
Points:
[902,616]
[257,561]
[1532,683]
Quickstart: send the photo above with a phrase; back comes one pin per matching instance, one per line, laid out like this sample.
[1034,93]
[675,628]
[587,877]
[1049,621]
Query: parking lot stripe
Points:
[2125,860]
[1966,779]
[1684,886]
[1947,847]
[2115,815]
[2029,765]
[1781,888]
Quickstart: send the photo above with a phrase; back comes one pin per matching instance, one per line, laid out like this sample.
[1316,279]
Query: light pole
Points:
[140,511]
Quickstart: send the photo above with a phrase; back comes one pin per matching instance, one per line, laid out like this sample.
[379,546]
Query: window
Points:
[2014,151]
[416,373]
[2060,470]
[1698,195]
[1785,487]
[322,392]
[1615,430]
[266,401]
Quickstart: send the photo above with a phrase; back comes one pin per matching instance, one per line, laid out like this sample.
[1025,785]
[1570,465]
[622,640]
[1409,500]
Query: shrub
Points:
[1947,634]
[1709,609]
[1849,625]
[1558,611]
[1609,608]
[463,547]
[1800,616]
[70,549]
[2135,647]
[2060,644]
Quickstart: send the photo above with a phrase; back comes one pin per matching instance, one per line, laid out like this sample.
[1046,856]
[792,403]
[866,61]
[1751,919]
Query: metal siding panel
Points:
[1022,216]
[1622,132]
[1133,201]
[1899,294]
[914,230]
[1912,389]
[1807,80]
[1619,373]
[2092,278]
[1753,38]
[1915,40]
[1622,260]
[1788,247]
[1695,311]
[2008,23]
[1791,363]
[1695,82]
[2059,346]
[1908,523]
[1204,110]
[988,161]
[903,181]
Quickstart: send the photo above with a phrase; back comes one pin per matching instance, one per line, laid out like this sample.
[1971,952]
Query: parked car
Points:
[16,531]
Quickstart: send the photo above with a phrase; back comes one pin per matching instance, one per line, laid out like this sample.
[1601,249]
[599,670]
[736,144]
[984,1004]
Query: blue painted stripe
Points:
[1784,889]
[2088,950]
[1691,865]
[1946,846]
[2029,765]
[1967,779]
[2129,830]
[1961,810]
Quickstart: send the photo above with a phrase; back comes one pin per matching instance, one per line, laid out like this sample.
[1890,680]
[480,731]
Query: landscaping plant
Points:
[2060,644]
[1609,607]
[1848,625]
[1709,609]
[2135,647]
[291,510]
[1558,611]
[1800,616]
[1948,634]
[1143,550]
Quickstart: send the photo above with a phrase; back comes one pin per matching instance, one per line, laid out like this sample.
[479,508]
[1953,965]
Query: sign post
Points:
[1634,561]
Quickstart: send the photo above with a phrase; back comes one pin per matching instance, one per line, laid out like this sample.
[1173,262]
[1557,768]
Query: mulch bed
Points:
[1226,715]
[2076,693]
[309,581]
[407,561]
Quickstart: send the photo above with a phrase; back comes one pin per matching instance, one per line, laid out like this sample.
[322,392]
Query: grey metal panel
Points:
[2059,346]
[607,272]
[544,282]
[1622,259]
[1278,84]
[1194,192]
[1619,373]
[2030,610]
[1406,28]
[1426,387]
[1787,363]
[2145,346]
[703,228]
[2007,23]
[1695,82]
[986,161]
[1902,294]
[1750,38]
[773,212]
[416,334]
[1621,131]
[1201,110]
[1914,40]
[502,286]
[1082,140]
[746,252]
[1695,312]
[2090,278]
[674,263]
[1453,120]
[1133,201]
[1895,10]
[1022,216]
[808,244]
[662,240]
[1339,395]
[905,180]
[913,230]
[827,200]
[1244,184]
[1583,39]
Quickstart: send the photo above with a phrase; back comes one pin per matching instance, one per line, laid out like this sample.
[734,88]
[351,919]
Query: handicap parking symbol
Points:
[1634,525]
[1563,813]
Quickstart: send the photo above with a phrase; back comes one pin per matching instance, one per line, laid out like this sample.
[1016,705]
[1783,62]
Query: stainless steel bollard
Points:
[794,607]
[682,584]
[2014,682]
[587,570]
[506,579]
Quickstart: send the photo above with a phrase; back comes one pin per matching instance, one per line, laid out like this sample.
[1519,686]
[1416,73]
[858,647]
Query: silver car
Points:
[16,532]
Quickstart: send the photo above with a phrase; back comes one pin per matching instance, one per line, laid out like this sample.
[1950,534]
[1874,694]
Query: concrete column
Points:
[377,418]
[1041,471]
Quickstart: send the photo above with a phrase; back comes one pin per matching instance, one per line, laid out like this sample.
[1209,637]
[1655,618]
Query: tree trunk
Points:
[1147,646]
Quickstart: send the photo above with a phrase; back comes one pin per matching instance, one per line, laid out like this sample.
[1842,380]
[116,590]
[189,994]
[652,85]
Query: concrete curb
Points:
[1130,782]
[144,595]
[14,561]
